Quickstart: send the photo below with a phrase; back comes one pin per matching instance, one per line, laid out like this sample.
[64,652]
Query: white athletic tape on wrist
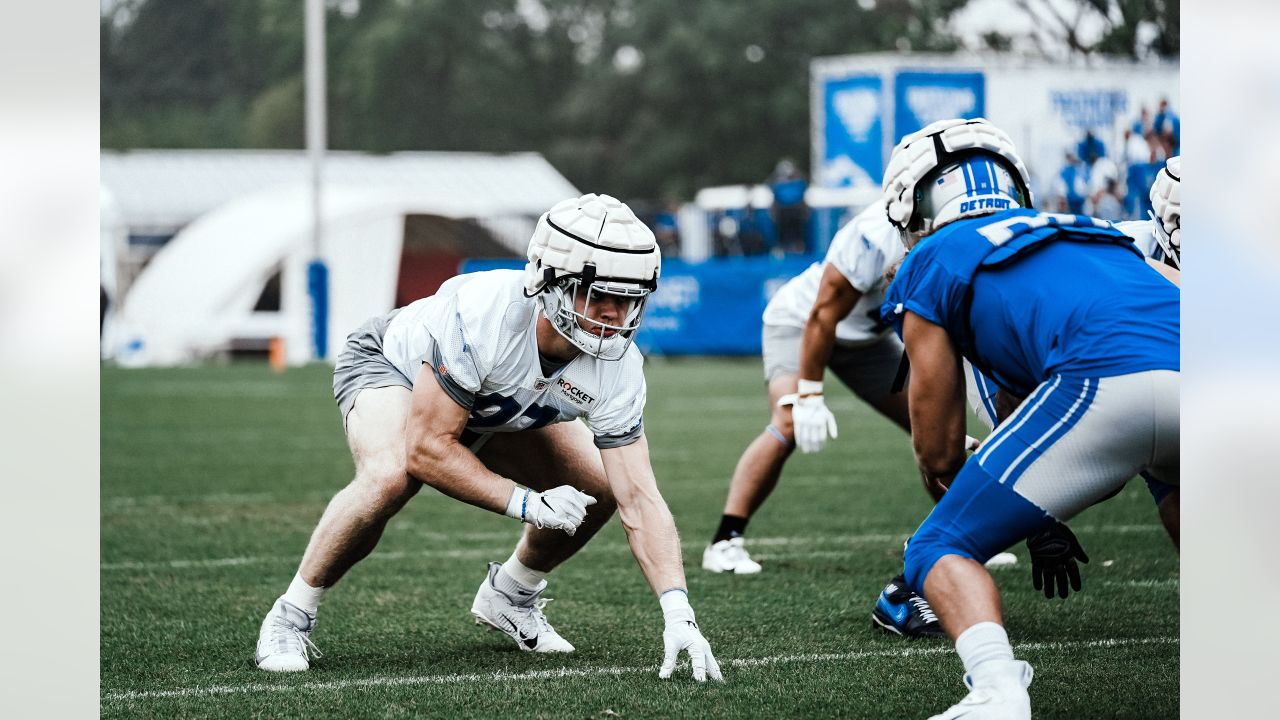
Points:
[808,387]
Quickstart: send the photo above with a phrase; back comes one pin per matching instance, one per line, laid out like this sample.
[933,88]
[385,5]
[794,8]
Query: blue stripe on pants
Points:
[1055,432]
[1053,410]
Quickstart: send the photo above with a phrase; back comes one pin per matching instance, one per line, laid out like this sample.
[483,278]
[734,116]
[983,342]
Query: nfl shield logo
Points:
[540,384]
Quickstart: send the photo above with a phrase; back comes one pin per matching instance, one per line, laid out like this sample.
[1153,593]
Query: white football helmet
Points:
[949,170]
[584,248]
[1166,209]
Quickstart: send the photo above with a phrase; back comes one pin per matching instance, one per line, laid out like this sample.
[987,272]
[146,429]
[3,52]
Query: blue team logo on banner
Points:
[923,97]
[853,136]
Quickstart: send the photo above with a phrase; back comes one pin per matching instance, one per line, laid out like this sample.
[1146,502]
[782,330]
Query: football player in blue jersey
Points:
[1060,309]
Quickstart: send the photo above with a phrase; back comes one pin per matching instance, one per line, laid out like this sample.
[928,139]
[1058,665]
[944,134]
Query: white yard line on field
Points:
[494,551]
[533,675]
[1171,583]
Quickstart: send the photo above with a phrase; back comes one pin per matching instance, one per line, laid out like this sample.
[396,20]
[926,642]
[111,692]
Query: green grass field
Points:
[213,478]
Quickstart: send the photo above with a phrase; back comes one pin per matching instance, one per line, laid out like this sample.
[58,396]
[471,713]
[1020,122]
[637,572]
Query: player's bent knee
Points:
[783,433]
[927,546]
[386,488]
[977,518]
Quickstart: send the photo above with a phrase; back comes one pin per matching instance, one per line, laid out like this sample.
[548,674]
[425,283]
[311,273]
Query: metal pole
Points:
[317,273]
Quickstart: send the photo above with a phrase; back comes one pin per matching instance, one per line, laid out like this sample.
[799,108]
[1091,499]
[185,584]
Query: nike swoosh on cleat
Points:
[531,643]
[520,632]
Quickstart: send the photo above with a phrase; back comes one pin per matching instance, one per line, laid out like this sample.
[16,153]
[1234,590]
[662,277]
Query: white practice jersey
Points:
[477,332]
[862,251]
[1144,236]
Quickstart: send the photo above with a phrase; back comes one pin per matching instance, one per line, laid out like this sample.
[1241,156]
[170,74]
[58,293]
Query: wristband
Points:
[808,387]
[518,503]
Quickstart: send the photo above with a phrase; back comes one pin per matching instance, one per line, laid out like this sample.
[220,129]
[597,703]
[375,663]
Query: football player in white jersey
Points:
[471,391]
[826,317]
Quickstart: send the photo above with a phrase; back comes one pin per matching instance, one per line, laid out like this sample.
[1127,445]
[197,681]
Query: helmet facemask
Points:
[585,253]
[571,306]
[1168,238]
[1166,210]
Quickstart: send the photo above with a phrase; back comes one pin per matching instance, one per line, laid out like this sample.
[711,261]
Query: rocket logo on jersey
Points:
[575,394]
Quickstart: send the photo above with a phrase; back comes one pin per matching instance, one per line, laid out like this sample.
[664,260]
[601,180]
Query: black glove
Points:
[1053,559]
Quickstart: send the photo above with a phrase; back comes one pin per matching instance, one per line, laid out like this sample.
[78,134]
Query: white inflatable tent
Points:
[199,291]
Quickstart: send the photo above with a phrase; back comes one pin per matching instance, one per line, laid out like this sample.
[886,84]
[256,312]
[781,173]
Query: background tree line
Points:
[640,98]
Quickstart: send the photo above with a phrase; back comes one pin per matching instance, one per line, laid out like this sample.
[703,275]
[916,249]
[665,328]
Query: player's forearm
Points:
[448,466]
[815,348]
[655,543]
[935,399]
[937,437]
[651,530]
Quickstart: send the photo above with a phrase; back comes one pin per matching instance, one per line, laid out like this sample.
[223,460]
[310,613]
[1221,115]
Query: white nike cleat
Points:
[729,556]
[521,618]
[1004,559]
[284,642]
[1000,697]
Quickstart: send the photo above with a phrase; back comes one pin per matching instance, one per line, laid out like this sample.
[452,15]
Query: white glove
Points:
[682,634]
[811,418]
[561,508]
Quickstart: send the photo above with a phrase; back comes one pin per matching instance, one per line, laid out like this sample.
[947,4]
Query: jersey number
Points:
[1000,232]
[496,410]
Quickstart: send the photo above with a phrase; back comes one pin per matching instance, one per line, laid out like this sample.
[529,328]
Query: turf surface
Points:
[213,478]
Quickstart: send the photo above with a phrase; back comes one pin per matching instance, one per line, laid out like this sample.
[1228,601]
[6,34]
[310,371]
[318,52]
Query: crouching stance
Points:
[1059,309]
[471,391]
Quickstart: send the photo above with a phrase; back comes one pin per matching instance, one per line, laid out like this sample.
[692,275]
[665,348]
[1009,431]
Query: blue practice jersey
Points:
[1027,295]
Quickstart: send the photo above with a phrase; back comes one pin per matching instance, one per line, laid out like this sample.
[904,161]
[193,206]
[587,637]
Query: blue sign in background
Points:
[707,308]
[853,134]
[921,97]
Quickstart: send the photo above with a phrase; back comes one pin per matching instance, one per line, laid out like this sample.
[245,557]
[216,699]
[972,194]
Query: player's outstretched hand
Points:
[560,508]
[682,635]
[1054,553]
[685,636]
[813,422]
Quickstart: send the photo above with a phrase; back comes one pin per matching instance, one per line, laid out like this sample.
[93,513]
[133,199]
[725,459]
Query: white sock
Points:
[984,648]
[303,595]
[514,575]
